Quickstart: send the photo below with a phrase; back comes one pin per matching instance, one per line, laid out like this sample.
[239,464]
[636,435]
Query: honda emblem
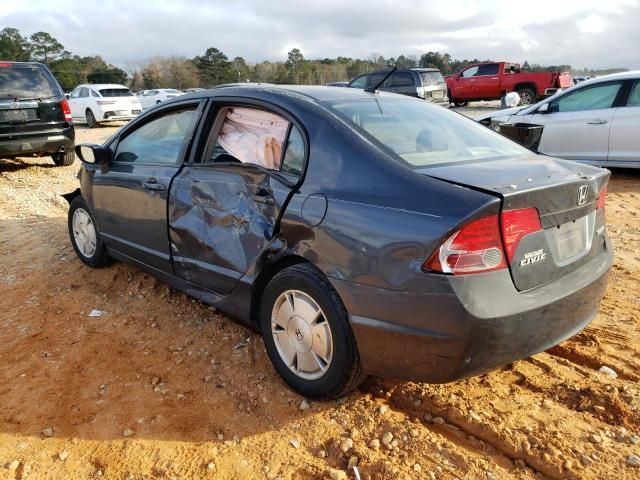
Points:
[582,195]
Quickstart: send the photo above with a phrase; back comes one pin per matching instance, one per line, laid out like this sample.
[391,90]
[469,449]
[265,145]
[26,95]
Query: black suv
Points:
[427,83]
[35,118]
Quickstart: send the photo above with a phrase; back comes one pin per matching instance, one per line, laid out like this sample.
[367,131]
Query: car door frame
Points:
[194,162]
[145,257]
[622,110]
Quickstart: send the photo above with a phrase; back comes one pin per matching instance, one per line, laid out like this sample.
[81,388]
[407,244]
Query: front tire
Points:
[84,235]
[460,103]
[91,119]
[307,334]
[64,159]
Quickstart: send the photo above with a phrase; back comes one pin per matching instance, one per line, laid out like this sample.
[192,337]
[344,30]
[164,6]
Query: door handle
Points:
[152,184]
[597,122]
[262,195]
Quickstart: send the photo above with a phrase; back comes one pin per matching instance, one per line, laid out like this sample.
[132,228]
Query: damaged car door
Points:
[130,195]
[224,207]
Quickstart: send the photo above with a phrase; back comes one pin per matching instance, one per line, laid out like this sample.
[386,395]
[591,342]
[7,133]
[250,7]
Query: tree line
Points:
[213,67]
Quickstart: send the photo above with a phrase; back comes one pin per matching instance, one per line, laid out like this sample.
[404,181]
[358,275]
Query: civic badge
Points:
[582,195]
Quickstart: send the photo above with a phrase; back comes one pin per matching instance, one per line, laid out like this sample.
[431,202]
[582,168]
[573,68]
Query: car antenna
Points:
[375,87]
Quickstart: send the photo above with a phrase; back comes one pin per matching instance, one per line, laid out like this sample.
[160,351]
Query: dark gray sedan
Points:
[361,233]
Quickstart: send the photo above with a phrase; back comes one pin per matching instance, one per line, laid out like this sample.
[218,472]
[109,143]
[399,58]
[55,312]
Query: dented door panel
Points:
[220,220]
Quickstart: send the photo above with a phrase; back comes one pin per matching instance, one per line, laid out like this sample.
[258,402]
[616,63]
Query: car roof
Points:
[631,75]
[22,63]
[101,85]
[315,93]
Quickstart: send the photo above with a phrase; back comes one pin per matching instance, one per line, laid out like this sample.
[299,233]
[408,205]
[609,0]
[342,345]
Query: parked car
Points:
[150,98]
[491,80]
[94,104]
[361,233]
[192,90]
[35,119]
[596,121]
[425,83]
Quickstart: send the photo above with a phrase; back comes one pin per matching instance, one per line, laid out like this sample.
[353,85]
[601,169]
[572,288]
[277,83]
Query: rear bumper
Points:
[39,143]
[468,325]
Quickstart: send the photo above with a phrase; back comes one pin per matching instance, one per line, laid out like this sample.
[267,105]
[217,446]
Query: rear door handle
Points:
[152,184]
[262,195]
[597,122]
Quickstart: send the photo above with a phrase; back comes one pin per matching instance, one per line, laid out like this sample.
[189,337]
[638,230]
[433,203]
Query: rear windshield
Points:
[116,92]
[432,78]
[425,135]
[26,82]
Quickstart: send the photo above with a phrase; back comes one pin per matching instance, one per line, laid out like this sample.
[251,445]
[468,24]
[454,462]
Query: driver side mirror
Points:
[94,154]
[67,96]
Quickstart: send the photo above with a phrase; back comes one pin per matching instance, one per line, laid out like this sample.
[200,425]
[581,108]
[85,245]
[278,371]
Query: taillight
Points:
[515,225]
[476,247]
[64,104]
[602,199]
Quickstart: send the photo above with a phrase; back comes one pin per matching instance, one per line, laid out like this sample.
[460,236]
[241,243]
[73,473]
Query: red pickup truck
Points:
[491,80]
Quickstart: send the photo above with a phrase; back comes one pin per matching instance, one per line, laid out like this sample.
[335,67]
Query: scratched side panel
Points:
[216,227]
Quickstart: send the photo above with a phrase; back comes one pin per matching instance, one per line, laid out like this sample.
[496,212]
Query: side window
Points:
[359,82]
[248,135]
[94,94]
[75,93]
[592,98]
[293,160]
[84,92]
[375,78]
[402,79]
[488,69]
[159,141]
[634,96]
[470,72]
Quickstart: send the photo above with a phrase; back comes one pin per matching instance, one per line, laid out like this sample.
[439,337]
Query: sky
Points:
[581,33]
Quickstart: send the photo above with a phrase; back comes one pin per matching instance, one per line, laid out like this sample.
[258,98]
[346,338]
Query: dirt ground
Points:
[161,386]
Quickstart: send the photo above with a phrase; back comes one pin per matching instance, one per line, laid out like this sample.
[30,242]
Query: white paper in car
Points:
[254,136]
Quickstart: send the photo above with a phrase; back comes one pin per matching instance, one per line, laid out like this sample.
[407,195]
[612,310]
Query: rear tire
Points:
[307,335]
[64,159]
[84,235]
[460,103]
[91,119]
[527,96]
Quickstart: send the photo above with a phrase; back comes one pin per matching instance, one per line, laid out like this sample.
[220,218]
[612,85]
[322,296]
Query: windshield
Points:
[432,78]
[425,135]
[116,92]
[26,82]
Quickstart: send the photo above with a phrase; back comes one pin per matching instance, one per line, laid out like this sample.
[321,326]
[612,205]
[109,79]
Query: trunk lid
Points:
[564,193]
[121,101]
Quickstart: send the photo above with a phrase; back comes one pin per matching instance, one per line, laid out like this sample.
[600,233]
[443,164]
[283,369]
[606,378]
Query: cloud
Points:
[585,33]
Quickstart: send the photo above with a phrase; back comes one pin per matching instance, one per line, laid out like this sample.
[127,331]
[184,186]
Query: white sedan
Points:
[150,98]
[98,103]
[596,121]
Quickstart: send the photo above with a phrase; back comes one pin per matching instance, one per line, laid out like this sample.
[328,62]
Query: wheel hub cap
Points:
[84,232]
[301,334]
